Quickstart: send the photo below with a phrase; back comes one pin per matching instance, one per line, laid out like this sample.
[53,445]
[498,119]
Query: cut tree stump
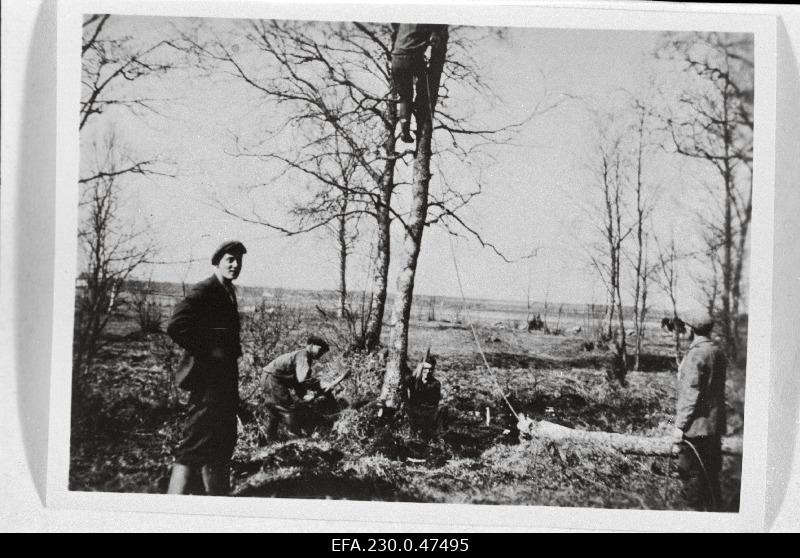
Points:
[624,443]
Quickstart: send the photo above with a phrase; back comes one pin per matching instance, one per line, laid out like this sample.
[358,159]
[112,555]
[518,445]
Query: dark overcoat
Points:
[206,325]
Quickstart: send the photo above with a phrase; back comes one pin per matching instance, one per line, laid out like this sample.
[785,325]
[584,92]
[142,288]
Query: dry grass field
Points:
[125,429]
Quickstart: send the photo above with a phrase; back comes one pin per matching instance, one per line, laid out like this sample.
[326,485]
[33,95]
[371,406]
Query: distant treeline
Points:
[443,306]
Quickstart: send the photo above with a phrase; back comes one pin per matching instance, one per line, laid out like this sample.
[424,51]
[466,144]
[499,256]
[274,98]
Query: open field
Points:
[124,432]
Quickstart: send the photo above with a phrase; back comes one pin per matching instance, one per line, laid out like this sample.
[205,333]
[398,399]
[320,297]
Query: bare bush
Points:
[536,323]
[267,331]
[366,375]
[349,330]
[168,354]
[149,314]
[271,329]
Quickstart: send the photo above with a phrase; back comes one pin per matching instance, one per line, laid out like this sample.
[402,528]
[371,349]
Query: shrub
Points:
[168,355]
[268,331]
[149,315]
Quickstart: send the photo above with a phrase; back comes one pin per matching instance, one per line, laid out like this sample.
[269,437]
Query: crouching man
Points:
[289,384]
[424,392]
[206,325]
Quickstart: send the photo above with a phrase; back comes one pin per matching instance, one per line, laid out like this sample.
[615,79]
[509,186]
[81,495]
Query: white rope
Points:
[460,285]
[475,334]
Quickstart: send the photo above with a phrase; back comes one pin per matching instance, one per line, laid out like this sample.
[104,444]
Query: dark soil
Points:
[128,416]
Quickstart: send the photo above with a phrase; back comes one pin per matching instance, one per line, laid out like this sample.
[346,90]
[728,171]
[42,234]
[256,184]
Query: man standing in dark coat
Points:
[206,325]
[700,421]
[408,65]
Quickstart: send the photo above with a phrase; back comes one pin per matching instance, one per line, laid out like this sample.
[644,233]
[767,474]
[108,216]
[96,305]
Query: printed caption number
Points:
[399,545]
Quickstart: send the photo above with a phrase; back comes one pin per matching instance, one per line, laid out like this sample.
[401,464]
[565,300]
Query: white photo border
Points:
[590,15]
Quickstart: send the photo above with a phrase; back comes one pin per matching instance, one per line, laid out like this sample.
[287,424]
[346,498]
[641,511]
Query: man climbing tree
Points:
[408,64]
[396,367]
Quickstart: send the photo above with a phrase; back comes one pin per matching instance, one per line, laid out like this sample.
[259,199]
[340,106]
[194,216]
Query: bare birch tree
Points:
[111,248]
[667,277]
[335,79]
[714,123]
[642,270]
[608,212]
[335,204]
[454,64]
[396,366]
[332,80]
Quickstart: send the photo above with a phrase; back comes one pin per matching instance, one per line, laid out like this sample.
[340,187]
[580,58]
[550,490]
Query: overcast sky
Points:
[533,192]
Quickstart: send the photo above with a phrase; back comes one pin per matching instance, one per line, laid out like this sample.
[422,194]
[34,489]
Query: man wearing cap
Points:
[288,382]
[700,421]
[206,325]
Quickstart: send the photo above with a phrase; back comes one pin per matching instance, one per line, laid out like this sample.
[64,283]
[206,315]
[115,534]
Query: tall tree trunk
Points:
[608,318]
[342,239]
[397,366]
[642,321]
[676,333]
[728,332]
[623,342]
[637,329]
[727,268]
[617,277]
[741,247]
[713,294]
[641,326]
[383,218]
[380,279]
[612,255]
[639,297]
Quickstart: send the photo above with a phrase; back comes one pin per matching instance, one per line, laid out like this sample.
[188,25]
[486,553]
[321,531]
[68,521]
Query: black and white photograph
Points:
[413,261]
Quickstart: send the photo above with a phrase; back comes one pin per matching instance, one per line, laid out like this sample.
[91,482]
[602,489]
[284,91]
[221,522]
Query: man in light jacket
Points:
[700,421]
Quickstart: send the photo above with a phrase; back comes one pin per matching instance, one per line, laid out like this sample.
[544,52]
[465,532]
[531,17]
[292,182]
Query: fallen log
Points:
[624,443]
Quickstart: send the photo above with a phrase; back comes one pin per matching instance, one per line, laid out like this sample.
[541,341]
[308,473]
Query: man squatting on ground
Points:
[206,325]
[288,382]
[700,419]
[408,64]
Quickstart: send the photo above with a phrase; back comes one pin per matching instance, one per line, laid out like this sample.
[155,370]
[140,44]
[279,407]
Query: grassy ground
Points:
[124,431]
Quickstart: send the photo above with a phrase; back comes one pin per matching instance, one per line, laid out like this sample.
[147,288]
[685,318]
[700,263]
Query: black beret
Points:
[318,341]
[430,359]
[233,247]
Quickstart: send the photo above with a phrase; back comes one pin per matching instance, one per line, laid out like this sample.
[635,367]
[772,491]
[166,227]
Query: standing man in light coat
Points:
[700,421]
